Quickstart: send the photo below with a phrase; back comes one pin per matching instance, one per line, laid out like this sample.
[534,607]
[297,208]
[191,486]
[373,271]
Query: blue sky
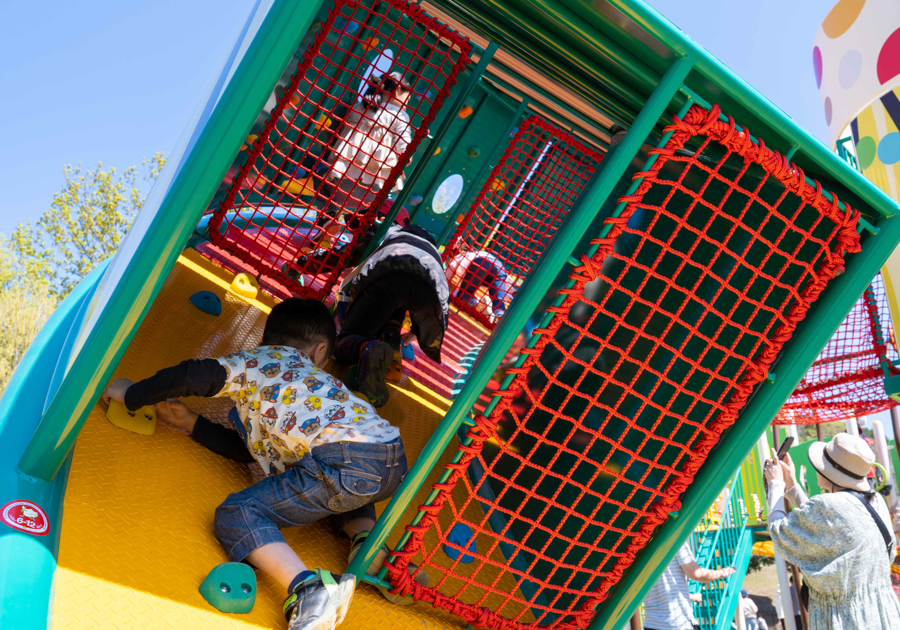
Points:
[115,81]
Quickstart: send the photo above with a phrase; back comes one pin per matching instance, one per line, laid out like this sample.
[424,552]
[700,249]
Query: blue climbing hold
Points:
[297,172]
[352,27]
[460,535]
[408,351]
[415,200]
[208,302]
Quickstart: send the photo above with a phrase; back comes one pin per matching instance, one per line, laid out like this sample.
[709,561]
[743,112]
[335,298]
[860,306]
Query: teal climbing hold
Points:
[208,302]
[230,588]
[461,535]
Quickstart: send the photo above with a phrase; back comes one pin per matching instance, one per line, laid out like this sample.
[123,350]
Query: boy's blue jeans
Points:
[342,480]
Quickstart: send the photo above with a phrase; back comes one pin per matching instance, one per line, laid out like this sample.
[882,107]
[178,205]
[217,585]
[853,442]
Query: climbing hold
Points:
[208,302]
[465,112]
[352,27]
[245,285]
[460,535]
[438,150]
[142,421]
[415,200]
[304,187]
[498,184]
[408,351]
[249,141]
[322,122]
[369,43]
[295,98]
[474,152]
[230,588]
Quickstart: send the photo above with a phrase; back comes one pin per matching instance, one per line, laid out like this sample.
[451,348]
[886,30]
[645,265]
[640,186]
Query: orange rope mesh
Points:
[522,204]
[324,164]
[650,355]
[847,379]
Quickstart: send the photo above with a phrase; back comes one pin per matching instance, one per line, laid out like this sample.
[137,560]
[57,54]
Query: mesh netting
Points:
[337,141]
[523,202]
[847,379]
[651,353]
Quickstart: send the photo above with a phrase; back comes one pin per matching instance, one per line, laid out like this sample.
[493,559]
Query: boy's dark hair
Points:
[299,323]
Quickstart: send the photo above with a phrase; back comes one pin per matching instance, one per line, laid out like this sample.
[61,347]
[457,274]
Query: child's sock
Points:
[298,579]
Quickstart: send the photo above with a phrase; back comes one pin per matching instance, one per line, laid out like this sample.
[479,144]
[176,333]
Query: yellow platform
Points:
[137,523]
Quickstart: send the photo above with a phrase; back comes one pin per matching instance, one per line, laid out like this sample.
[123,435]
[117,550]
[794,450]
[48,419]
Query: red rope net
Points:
[337,141]
[652,352]
[847,379]
[522,204]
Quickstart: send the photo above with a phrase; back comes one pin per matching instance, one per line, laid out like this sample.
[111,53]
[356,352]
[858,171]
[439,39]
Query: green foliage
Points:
[807,432]
[758,562]
[85,224]
[41,263]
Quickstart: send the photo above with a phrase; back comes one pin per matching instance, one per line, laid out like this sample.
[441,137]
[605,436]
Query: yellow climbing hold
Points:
[322,122]
[245,285]
[438,150]
[142,421]
[498,184]
[249,141]
[304,187]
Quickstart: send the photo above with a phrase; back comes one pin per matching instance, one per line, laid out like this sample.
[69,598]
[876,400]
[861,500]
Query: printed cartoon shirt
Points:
[288,406]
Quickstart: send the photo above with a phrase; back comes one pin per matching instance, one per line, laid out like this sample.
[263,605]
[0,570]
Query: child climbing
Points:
[326,451]
[404,274]
[468,271]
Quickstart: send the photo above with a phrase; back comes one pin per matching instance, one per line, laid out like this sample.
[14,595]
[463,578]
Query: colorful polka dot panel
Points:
[856,58]
[876,136]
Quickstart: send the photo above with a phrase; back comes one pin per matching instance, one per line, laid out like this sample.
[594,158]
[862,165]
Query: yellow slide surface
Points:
[137,535]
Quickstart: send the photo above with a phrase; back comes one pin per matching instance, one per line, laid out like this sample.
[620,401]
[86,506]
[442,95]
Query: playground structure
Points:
[677,306]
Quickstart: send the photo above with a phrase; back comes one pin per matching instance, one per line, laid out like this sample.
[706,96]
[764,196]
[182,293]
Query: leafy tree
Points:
[85,224]
[41,263]
[807,432]
[758,562]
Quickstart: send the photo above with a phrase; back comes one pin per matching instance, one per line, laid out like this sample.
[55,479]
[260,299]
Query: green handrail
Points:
[193,186]
[544,273]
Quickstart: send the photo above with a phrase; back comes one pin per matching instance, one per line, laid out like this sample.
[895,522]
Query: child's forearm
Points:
[203,377]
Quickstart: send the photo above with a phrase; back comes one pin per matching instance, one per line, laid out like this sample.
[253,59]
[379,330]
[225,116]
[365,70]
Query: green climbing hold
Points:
[230,587]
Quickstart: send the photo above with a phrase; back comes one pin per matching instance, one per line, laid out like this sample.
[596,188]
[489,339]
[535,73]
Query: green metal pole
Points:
[808,341]
[667,33]
[458,102]
[195,182]
[511,325]
[497,150]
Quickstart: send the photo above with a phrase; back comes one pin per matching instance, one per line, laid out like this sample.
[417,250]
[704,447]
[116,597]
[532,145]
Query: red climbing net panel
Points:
[522,204]
[671,320]
[328,156]
[847,379]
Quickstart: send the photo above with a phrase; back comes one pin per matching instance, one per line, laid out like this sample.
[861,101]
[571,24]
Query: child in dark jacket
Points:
[404,274]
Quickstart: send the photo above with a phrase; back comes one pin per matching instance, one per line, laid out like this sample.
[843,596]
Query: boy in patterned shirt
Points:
[326,451]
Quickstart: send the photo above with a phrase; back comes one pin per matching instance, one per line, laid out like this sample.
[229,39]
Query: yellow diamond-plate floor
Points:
[137,523]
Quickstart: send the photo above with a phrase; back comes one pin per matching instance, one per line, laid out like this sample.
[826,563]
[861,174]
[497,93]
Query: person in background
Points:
[751,611]
[468,271]
[668,604]
[840,540]
[779,608]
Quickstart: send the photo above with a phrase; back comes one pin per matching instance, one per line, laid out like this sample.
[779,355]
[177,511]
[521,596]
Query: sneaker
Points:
[373,368]
[319,603]
[421,577]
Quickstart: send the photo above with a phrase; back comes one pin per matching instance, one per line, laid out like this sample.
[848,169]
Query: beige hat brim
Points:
[823,467]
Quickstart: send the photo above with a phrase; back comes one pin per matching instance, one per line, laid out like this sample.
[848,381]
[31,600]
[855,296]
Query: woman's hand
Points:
[116,391]
[772,470]
[788,472]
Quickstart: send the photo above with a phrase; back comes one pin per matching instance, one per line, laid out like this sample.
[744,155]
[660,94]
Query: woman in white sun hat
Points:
[841,540]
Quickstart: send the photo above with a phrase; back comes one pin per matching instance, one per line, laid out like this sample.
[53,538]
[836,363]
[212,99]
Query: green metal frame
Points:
[203,169]
[544,273]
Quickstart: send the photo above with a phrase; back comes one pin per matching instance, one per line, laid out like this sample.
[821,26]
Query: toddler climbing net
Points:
[520,207]
[847,379]
[325,162]
[669,322]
